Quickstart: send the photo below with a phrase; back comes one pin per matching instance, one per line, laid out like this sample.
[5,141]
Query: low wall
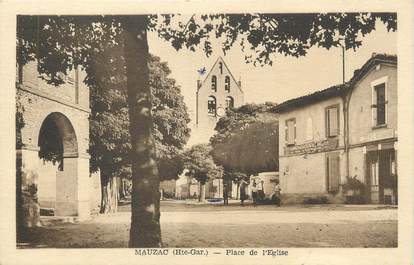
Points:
[301,198]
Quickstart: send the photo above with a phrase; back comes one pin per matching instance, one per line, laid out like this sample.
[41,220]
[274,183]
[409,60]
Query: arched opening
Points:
[229,103]
[50,143]
[227,83]
[58,170]
[214,83]
[211,105]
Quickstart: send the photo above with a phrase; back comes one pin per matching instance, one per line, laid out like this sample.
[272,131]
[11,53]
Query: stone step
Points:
[56,220]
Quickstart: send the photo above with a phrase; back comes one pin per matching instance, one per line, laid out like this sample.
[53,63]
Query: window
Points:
[229,103]
[227,83]
[211,105]
[380,104]
[309,129]
[214,83]
[332,170]
[221,67]
[290,132]
[332,121]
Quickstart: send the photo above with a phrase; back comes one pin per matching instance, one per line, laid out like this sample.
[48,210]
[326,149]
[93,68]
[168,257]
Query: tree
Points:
[61,42]
[19,193]
[250,125]
[201,167]
[110,145]
[236,178]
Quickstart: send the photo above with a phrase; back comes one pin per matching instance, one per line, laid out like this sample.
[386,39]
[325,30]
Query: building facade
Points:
[214,95]
[54,142]
[344,132]
[373,129]
[218,91]
[311,146]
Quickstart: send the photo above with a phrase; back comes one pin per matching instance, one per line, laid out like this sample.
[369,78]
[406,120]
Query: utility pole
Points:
[343,64]
[346,114]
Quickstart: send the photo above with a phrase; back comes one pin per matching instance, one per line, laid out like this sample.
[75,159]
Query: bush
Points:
[315,200]
[168,195]
[354,199]
[357,190]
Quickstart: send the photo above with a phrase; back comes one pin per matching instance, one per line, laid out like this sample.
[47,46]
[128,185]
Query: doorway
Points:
[58,170]
[382,177]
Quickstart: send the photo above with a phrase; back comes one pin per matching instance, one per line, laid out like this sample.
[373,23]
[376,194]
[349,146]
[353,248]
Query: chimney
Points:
[239,82]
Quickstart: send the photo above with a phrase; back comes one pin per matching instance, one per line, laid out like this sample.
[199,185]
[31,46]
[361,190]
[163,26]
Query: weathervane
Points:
[202,71]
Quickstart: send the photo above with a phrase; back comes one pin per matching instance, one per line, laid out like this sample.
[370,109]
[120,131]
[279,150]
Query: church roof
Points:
[211,69]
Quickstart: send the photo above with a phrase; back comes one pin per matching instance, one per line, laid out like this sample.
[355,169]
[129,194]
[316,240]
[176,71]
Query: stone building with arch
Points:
[53,150]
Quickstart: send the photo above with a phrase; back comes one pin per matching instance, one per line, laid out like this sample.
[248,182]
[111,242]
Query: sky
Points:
[287,78]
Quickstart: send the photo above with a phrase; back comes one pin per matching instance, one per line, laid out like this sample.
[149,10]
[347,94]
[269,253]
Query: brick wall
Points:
[69,102]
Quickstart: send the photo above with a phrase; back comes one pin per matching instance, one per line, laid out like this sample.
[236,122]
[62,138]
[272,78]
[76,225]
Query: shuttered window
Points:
[380,103]
[290,132]
[332,121]
[332,170]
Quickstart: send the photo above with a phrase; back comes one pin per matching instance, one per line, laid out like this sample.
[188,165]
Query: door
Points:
[381,176]
[387,177]
[372,180]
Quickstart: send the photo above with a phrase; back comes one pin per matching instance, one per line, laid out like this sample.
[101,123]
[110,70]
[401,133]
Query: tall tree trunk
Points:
[190,196]
[202,193]
[121,189]
[20,229]
[145,220]
[109,191]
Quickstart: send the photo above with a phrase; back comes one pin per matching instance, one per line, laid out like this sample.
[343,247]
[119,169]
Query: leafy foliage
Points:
[357,190]
[110,144]
[19,119]
[353,184]
[200,164]
[250,125]
[236,177]
[267,34]
[262,34]
[50,143]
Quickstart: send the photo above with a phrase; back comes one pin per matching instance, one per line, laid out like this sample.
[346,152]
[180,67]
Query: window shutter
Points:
[291,132]
[294,132]
[380,91]
[309,129]
[326,123]
[333,121]
[333,172]
[286,133]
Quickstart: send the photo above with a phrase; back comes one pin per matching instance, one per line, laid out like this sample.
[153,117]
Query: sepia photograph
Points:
[181,132]
[207,130]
